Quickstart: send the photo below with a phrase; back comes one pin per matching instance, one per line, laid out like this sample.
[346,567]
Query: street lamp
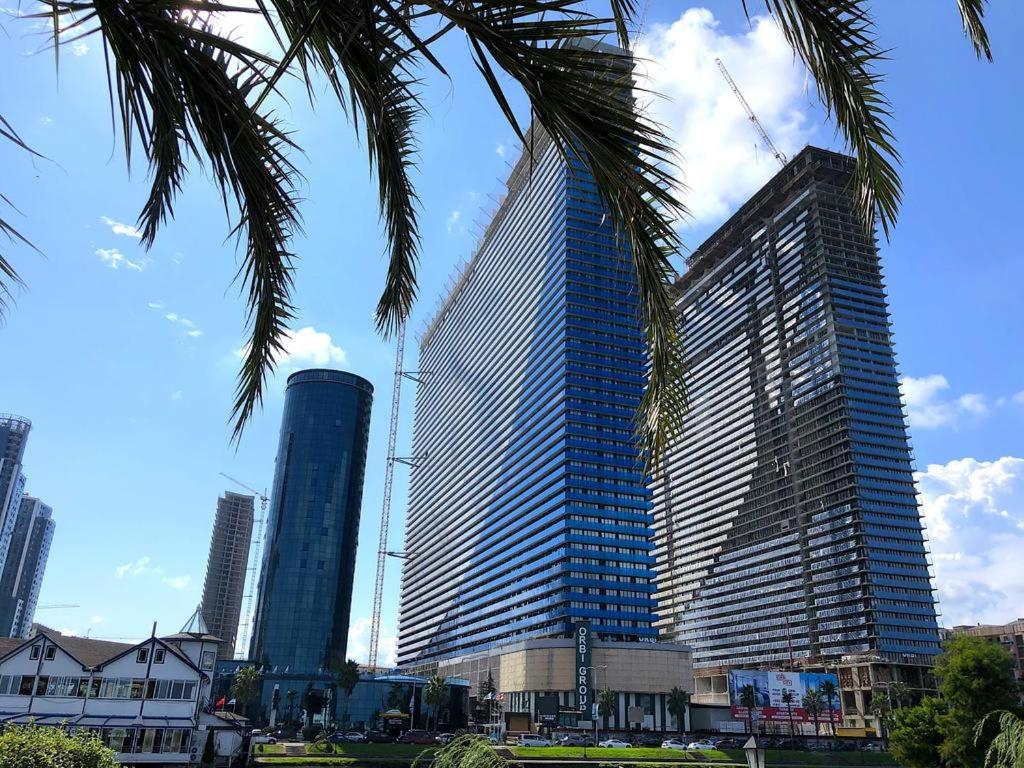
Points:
[593,705]
[754,752]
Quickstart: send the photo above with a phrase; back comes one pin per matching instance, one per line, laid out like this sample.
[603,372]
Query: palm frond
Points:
[836,41]
[580,95]
[972,13]
[363,47]
[183,90]
[9,278]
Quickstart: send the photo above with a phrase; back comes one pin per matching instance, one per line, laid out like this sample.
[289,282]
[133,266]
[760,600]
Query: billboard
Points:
[769,687]
[584,688]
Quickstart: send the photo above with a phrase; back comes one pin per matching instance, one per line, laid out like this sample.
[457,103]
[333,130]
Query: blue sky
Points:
[125,359]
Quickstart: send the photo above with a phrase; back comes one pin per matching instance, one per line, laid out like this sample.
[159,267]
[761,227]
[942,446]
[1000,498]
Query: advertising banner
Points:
[769,688]
[584,687]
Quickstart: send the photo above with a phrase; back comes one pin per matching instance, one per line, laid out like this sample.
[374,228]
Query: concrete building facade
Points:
[226,568]
[21,577]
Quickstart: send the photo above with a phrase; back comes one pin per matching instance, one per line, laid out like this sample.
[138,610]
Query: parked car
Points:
[379,737]
[416,737]
[532,740]
[701,744]
[647,740]
[614,744]
[728,743]
[259,737]
[673,744]
[576,740]
[444,738]
[493,738]
[871,746]
[355,737]
[337,738]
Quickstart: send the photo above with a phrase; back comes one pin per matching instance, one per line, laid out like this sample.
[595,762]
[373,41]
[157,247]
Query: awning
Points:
[129,721]
[39,718]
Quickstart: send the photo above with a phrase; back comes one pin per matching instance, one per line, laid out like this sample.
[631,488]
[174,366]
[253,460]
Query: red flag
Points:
[219,703]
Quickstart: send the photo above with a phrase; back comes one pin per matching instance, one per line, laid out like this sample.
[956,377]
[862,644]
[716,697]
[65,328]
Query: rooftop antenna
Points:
[750,113]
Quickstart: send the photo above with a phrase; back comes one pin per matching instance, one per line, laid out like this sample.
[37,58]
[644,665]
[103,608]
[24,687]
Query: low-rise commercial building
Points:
[147,701]
[1010,636]
[536,683]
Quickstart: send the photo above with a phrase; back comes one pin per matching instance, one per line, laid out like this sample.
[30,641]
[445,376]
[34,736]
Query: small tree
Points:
[748,699]
[290,697]
[435,694]
[37,747]
[209,751]
[788,697]
[676,705]
[812,706]
[899,694]
[1006,750]
[246,687]
[828,693]
[348,679]
[916,734]
[605,705]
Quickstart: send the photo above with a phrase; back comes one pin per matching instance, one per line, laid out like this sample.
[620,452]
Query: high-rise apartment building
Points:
[226,567]
[786,520]
[13,439]
[305,594]
[528,509]
[22,575]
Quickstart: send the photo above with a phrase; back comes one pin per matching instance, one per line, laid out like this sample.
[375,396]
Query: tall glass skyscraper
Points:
[527,506]
[302,612]
[786,518]
[22,575]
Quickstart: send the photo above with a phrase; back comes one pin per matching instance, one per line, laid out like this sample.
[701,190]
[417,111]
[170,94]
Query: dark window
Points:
[143,655]
[51,652]
[158,656]
[34,653]
[26,685]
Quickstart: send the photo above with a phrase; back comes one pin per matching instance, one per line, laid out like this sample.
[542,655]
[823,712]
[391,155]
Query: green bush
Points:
[47,747]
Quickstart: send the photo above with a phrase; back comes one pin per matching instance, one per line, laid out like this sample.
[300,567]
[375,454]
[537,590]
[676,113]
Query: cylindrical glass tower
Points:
[305,594]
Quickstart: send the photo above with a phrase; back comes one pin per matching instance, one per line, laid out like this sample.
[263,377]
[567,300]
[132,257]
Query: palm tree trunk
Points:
[792,735]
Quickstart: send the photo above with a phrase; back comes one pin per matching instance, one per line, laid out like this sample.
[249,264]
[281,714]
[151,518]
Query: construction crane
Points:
[385,511]
[750,113]
[256,545]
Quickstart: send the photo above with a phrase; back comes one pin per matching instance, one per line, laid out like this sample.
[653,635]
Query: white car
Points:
[702,744]
[614,744]
[530,740]
[673,744]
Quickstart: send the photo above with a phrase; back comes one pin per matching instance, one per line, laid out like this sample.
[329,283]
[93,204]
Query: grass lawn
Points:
[297,760]
[367,750]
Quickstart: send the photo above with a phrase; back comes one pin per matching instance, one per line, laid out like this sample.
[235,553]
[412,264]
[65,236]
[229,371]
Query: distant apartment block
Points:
[1009,635]
[14,432]
[787,525]
[22,575]
[226,568]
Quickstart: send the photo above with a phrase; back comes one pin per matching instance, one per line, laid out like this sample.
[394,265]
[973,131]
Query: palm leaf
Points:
[972,13]
[836,41]
[9,278]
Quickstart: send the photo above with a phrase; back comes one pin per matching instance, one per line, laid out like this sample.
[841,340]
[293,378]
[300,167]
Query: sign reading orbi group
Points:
[584,692]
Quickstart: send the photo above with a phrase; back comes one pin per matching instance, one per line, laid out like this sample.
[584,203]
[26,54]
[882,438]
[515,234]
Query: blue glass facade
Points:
[786,516]
[305,593]
[528,507]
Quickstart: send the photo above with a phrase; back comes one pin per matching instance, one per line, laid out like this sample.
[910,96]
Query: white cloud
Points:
[114,259]
[135,568]
[79,48]
[974,515]
[722,158]
[453,220]
[929,407]
[500,150]
[96,620]
[119,228]
[359,642]
[176,582]
[46,120]
[306,346]
[176,395]
[155,305]
[190,327]
[1018,398]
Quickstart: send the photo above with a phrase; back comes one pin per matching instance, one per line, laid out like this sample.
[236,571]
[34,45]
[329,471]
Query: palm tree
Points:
[813,705]
[290,697]
[881,708]
[246,687]
[788,697]
[435,694]
[676,703]
[748,699]
[1006,750]
[348,678]
[899,692]
[179,88]
[606,705]
[828,691]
